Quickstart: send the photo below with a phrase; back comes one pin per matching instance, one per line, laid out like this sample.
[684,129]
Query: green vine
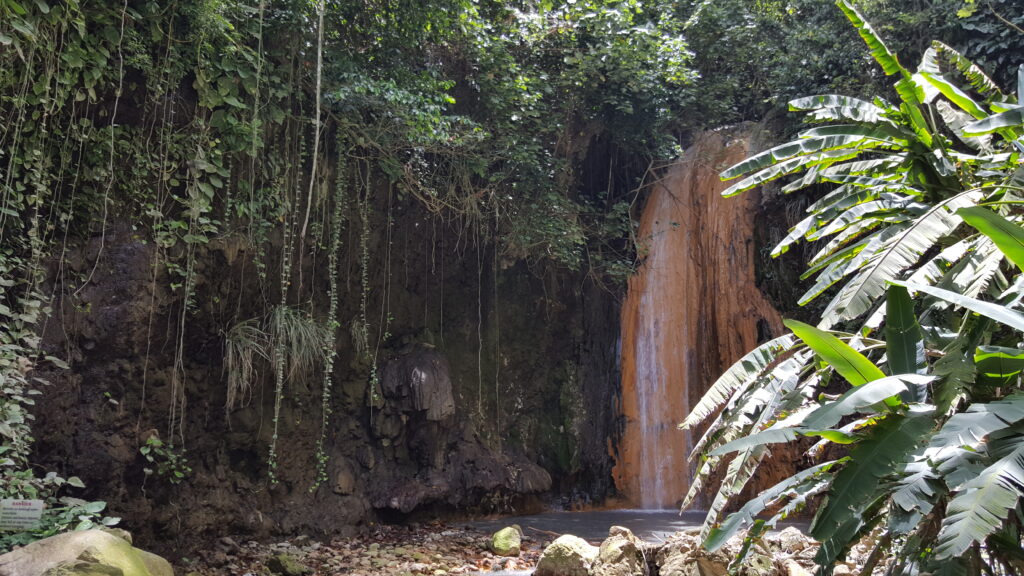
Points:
[330,351]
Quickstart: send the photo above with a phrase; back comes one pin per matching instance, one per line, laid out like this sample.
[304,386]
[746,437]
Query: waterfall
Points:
[692,309]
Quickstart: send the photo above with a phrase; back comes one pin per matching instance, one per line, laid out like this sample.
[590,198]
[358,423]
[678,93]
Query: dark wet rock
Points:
[228,545]
[470,469]
[420,380]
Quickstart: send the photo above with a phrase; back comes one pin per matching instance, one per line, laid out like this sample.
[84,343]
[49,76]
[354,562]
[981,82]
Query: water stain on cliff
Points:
[692,310]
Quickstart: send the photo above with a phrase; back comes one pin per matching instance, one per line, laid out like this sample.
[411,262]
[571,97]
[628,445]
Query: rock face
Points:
[421,381]
[491,385]
[698,247]
[507,541]
[568,555]
[83,553]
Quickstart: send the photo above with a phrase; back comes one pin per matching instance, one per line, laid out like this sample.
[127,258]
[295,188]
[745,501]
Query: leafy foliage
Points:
[205,121]
[925,200]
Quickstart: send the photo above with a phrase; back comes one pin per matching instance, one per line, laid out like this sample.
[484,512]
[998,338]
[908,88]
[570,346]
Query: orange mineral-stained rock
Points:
[692,310]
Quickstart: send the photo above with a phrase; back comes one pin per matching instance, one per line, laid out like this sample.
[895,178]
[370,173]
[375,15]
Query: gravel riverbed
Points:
[433,549]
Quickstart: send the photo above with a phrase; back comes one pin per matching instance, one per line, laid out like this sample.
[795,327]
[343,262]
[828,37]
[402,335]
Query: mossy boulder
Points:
[568,555]
[156,565]
[82,553]
[287,565]
[507,541]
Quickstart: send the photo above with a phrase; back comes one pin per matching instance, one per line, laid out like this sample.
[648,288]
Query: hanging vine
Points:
[185,125]
[330,351]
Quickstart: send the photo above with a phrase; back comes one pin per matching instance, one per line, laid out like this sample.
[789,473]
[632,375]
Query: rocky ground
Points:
[439,549]
[434,549]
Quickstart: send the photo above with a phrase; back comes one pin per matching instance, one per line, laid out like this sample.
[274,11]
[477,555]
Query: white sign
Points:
[20,514]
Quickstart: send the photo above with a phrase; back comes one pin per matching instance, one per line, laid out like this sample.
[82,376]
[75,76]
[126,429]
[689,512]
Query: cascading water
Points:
[692,310]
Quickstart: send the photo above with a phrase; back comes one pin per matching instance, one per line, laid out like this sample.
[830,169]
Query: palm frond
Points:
[798,485]
[880,455]
[740,374]
[982,504]
[895,256]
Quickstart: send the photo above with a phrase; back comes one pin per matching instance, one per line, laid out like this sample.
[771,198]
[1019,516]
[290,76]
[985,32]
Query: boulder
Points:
[792,540]
[156,565]
[621,554]
[82,553]
[795,569]
[287,565]
[568,555]
[507,541]
[682,555]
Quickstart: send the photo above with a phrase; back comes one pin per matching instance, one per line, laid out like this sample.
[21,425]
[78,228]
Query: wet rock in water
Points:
[621,554]
[86,552]
[568,555]
[287,565]
[507,541]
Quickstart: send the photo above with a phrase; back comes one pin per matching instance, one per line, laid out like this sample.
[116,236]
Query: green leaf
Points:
[982,505]
[744,517]
[955,95]
[862,397]
[998,366]
[991,310]
[799,147]
[76,482]
[904,341]
[769,436]
[94,507]
[791,166]
[897,254]
[981,419]
[885,58]
[876,457]
[1009,237]
[849,363]
[16,7]
[739,374]
[834,101]
[1012,118]
[975,76]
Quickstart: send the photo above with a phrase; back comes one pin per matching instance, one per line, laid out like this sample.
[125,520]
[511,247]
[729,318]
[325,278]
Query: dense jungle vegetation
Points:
[534,128]
[914,404]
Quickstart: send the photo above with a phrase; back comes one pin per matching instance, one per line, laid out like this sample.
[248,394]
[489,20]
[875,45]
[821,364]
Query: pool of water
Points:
[650,525]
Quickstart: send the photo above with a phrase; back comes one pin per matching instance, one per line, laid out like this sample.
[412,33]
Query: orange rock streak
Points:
[692,310]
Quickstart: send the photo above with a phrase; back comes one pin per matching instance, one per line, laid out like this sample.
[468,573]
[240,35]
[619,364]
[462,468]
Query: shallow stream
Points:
[650,525]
